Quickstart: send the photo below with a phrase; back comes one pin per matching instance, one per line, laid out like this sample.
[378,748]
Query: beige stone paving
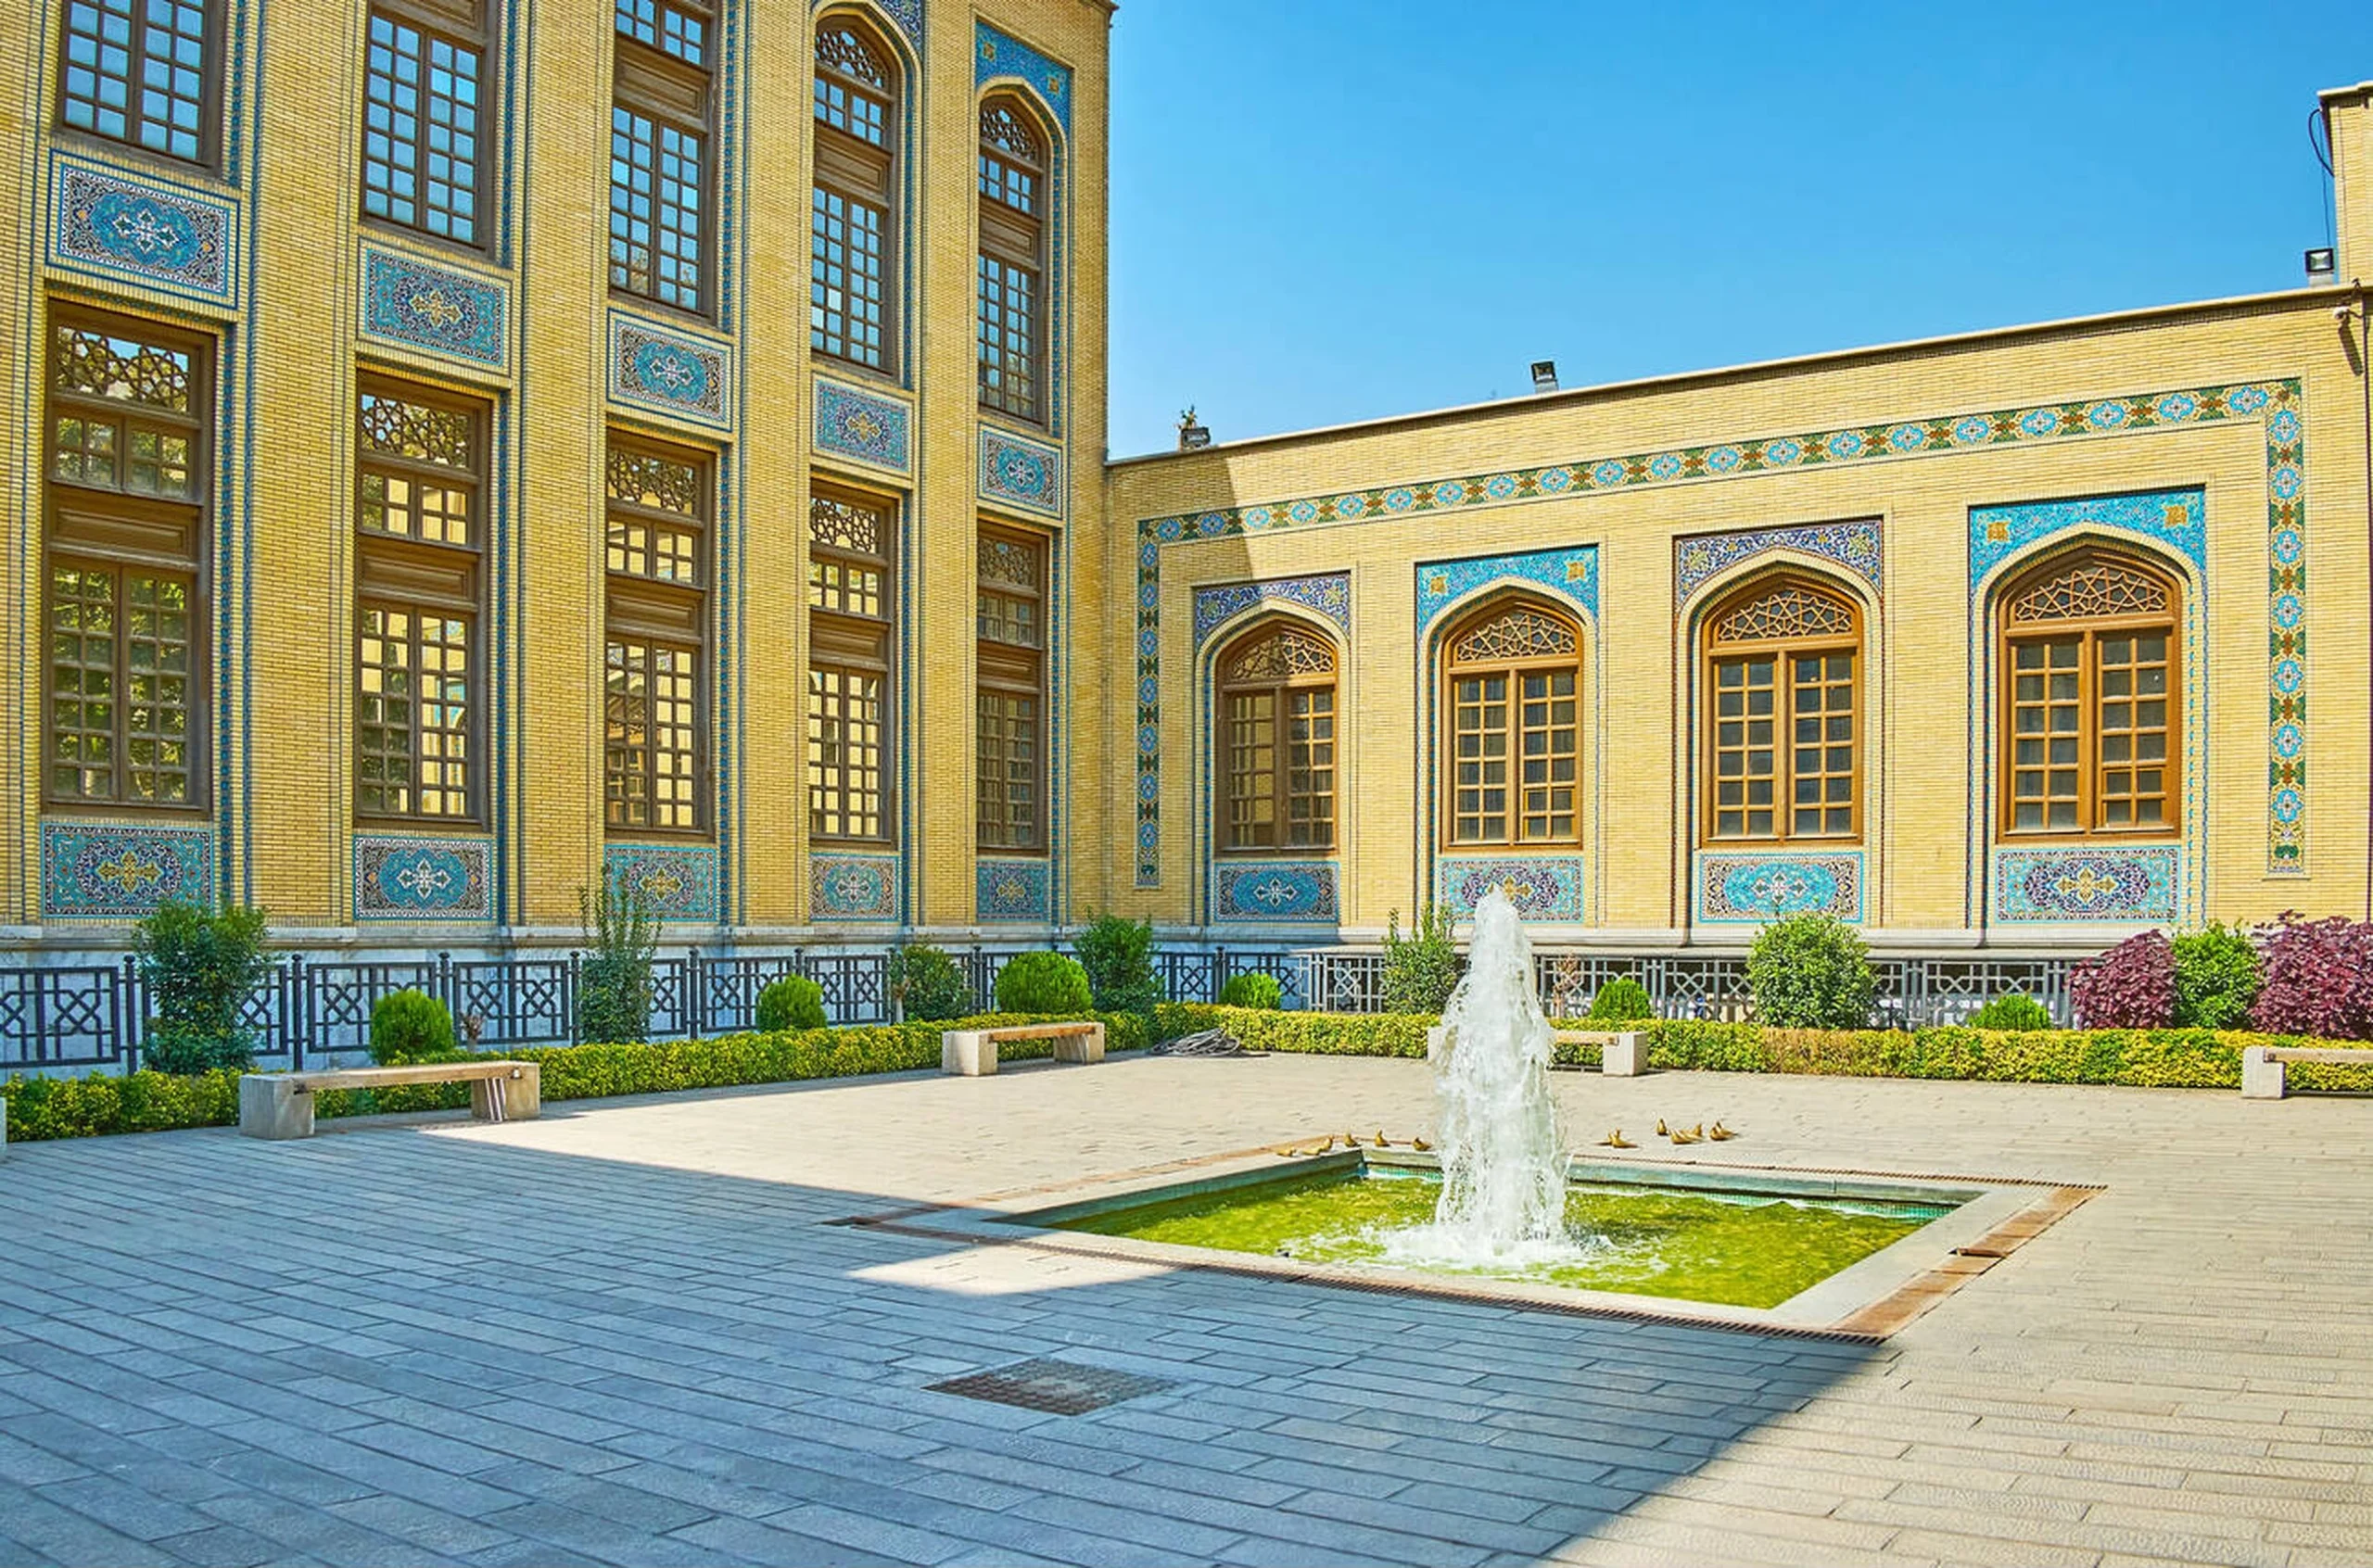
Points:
[2183,1369]
[2180,1371]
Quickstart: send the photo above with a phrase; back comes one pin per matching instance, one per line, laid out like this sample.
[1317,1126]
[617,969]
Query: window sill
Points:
[675,315]
[101,810]
[146,160]
[472,251]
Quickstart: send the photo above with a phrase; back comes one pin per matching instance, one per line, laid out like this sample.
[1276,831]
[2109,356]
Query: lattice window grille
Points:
[1521,633]
[1281,655]
[1789,611]
[2093,589]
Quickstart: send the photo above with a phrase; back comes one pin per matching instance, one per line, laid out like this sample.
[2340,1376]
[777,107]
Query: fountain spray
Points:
[1503,1158]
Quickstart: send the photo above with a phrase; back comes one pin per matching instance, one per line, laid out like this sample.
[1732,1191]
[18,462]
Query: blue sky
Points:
[1327,211]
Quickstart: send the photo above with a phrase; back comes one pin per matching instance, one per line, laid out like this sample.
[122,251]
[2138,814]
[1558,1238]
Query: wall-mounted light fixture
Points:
[2323,265]
[1544,376]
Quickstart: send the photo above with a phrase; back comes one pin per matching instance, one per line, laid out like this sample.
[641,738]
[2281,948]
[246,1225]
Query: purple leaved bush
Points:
[2131,986]
[2318,978]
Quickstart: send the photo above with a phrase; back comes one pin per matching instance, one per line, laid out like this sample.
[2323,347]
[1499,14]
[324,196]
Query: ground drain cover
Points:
[1059,1387]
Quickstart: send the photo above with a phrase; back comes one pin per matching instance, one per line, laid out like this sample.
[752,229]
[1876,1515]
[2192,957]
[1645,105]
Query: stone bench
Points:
[2262,1075]
[280,1105]
[1622,1053]
[972,1053]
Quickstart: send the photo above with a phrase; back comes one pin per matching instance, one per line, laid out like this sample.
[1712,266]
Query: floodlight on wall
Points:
[1192,437]
[1544,376]
[2323,265]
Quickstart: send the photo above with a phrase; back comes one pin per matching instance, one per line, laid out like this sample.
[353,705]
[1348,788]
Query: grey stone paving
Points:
[622,1334]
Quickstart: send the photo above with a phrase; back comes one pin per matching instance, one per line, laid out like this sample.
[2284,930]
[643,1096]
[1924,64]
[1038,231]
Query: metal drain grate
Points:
[1059,1387]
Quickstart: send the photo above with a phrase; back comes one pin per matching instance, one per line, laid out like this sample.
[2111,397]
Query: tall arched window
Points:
[1513,680]
[1276,704]
[2088,700]
[1011,303]
[1783,752]
[852,302]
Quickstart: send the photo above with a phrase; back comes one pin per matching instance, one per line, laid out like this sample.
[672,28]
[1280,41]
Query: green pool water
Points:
[1738,1249]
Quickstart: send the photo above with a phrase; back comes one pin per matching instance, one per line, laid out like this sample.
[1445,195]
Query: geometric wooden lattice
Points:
[1784,613]
[1520,633]
[1282,653]
[844,50]
[2090,588]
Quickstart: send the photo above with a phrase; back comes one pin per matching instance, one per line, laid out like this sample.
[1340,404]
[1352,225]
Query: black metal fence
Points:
[91,1016]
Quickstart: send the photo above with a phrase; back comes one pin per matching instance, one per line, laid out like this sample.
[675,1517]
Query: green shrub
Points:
[1621,1001]
[1118,956]
[1810,971]
[793,1002]
[200,968]
[2012,1010]
[1043,982]
[1421,969]
[150,1101]
[1325,1034]
[411,1026]
[926,984]
[2218,975]
[1252,988]
[613,981]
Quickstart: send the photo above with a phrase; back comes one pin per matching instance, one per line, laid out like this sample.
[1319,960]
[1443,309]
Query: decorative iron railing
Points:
[92,1016]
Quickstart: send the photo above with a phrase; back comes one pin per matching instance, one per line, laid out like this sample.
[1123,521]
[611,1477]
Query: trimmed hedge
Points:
[155,1102]
[2153,1058]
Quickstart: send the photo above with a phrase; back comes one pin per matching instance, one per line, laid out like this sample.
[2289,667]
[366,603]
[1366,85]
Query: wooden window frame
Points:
[1012,669]
[410,573]
[663,612]
[1283,689]
[2090,631]
[1781,651]
[827,626]
[1011,238]
[672,93]
[1446,801]
[465,24]
[853,170]
[86,527]
[209,109]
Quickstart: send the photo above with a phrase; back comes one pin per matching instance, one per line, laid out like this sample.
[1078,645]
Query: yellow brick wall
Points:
[293,713]
[1638,839]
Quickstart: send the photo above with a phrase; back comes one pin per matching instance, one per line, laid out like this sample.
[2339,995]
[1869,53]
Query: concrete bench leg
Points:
[967,1052]
[2262,1076]
[1626,1055]
[270,1106]
[4,1129]
[486,1100]
[523,1097]
[1080,1047]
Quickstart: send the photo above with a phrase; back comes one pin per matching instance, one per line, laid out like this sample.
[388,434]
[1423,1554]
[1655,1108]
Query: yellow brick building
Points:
[2013,643]
[467,452]
[424,410]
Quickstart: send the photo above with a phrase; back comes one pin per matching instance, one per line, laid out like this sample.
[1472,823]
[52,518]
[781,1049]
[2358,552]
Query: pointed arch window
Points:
[1277,718]
[1512,710]
[1009,320]
[851,305]
[1782,752]
[2090,700]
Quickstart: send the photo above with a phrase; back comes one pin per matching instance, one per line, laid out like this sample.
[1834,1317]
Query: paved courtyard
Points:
[626,1334]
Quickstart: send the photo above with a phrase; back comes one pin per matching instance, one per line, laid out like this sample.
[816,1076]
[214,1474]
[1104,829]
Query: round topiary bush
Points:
[793,1002]
[2015,1011]
[1042,983]
[927,985]
[1622,1001]
[411,1026]
[1253,989]
[1811,971]
[2216,978]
